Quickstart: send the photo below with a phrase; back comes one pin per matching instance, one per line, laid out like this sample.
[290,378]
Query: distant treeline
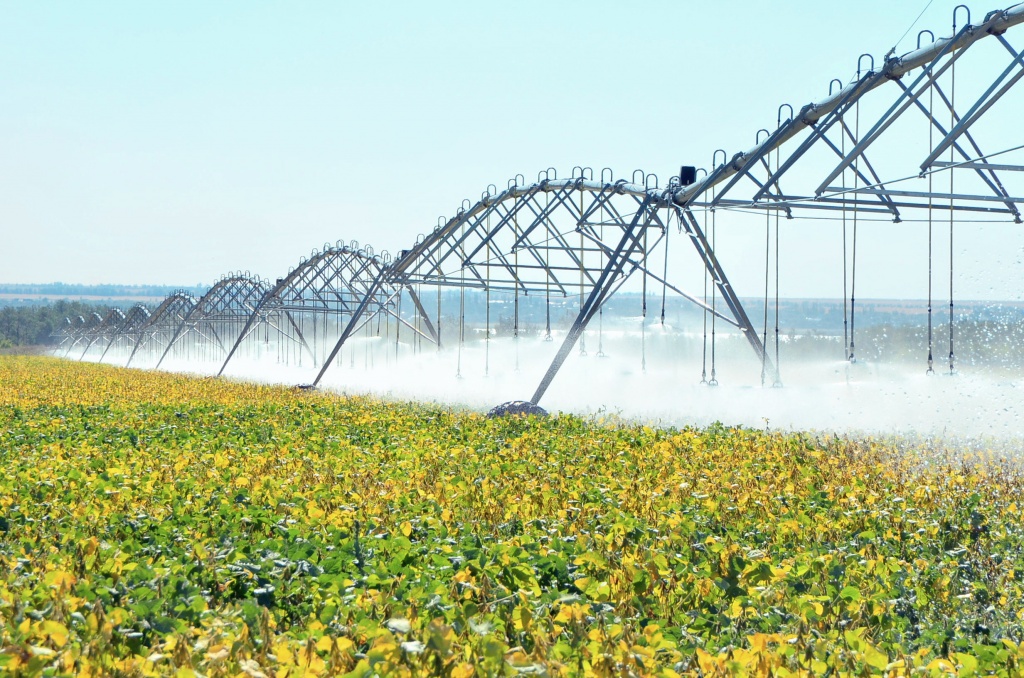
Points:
[36,325]
[108,290]
[984,334]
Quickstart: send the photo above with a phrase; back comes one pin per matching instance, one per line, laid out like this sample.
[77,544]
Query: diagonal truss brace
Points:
[707,254]
[981,106]
[906,99]
[371,292]
[628,244]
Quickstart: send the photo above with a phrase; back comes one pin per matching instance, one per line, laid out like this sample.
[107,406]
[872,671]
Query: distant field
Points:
[158,524]
[26,350]
[81,297]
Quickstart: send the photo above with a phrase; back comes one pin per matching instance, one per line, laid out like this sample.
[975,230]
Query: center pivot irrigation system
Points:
[929,140]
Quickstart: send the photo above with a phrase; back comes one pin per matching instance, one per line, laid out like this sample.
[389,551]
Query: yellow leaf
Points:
[406,528]
[56,632]
[875,658]
[284,653]
[941,665]
[59,579]
[968,663]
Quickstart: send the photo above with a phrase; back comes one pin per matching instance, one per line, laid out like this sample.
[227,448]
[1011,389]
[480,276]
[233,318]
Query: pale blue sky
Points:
[170,143]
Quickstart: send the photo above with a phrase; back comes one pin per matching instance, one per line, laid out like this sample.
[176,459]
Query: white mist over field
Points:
[822,396]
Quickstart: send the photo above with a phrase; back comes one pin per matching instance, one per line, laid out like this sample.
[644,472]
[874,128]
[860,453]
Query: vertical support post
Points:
[244,333]
[422,313]
[71,346]
[174,337]
[613,269]
[298,333]
[93,340]
[378,281]
[718,276]
[110,343]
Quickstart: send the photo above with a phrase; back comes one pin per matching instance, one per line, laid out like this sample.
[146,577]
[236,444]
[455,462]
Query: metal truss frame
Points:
[581,237]
[163,322]
[331,284]
[933,60]
[69,335]
[573,236]
[223,309]
[89,328]
[128,329]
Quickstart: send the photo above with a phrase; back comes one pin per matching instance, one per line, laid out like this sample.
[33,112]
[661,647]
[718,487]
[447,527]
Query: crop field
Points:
[157,524]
